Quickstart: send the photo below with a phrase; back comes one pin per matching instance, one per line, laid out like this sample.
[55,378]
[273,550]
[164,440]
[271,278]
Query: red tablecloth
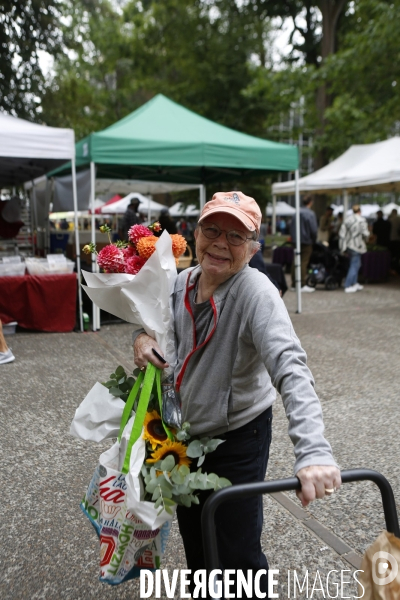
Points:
[45,303]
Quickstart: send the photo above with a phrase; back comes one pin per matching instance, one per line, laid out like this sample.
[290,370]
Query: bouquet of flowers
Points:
[130,256]
[167,475]
[142,295]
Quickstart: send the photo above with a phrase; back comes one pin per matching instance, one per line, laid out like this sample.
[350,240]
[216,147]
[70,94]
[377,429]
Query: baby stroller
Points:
[326,266]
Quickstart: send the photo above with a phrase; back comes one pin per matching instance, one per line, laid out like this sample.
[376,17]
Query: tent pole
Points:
[95,324]
[77,244]
[345,203]
[297,258]
[49,191]
[273,215]
[33,211]
[202,196]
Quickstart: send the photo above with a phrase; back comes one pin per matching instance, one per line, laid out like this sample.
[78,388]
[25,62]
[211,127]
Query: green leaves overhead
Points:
[213,57]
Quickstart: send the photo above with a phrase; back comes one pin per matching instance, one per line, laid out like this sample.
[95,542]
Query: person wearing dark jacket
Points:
[381,229]
[166,222]
[131,217]
[257,262]
[308,235]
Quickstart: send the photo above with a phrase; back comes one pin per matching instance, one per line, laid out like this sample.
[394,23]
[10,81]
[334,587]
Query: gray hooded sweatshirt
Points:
[250,348]
[249,351]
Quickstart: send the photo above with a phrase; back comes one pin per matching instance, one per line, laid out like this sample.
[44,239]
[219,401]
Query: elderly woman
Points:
[235,347]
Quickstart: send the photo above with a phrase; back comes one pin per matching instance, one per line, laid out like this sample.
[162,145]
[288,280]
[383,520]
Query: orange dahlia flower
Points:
[178,244]
[146,246]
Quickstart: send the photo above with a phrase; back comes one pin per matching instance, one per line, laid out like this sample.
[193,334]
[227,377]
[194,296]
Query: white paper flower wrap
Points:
[143,299]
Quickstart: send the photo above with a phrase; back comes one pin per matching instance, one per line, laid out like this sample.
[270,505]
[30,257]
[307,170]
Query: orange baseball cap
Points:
[236,204]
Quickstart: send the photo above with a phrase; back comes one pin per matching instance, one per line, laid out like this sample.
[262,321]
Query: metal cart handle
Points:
[283,485]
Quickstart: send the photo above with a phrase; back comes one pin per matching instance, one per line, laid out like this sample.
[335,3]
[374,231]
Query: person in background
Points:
[6,356]
[308,235]
[282,226]
[257,262]
[334,239]
[263,234]
[394,244]
[353,235]
[325,226]
[63,225]
[381,230]
[131,217]
[167,222]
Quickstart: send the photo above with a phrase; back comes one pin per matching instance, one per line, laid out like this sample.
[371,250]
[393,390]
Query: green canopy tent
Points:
[163,141]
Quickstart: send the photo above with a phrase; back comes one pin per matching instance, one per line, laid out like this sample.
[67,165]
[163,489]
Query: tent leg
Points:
[273,225]
[77,244]
[202,196]
[95,309]
[345,203]
[297,258]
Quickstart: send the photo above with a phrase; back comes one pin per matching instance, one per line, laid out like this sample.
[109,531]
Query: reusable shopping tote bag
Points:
[127,543]
[380,569]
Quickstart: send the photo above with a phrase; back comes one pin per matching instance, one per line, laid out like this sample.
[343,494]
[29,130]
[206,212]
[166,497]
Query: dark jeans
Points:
[242,458]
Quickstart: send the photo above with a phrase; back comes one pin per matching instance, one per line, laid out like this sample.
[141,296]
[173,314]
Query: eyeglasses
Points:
[235,238]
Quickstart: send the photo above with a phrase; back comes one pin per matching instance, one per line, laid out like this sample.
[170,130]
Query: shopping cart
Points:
[236,492]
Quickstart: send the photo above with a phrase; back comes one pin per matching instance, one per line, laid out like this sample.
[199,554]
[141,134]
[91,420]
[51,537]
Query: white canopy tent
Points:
[368,210]
[147,188]
[146,205]
[29,151]
[282,209]
[389,207]
[362,168]
[180,210]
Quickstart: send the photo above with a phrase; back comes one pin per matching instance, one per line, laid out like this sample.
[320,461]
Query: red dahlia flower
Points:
[111,259]
[134,264]
[137,232]
[129,251]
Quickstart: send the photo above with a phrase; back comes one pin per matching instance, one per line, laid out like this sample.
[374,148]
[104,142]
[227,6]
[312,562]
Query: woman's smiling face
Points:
[220,260]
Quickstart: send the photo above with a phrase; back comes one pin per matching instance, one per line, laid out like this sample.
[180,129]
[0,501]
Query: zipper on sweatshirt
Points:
[195,346]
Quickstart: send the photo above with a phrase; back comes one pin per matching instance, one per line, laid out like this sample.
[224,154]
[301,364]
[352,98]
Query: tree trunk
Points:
[330,10]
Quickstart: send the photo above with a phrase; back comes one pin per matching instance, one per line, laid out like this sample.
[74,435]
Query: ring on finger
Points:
[143,368]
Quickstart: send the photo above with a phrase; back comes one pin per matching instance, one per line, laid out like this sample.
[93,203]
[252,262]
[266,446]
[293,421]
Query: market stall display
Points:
[42,303]
[27,151]
[375,265]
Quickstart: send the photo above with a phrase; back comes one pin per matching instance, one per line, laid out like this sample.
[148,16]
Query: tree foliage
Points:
[197,54]
[212,56]
[364,78]
[26,28]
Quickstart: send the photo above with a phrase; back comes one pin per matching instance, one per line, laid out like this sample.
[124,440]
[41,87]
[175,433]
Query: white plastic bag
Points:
[98,417]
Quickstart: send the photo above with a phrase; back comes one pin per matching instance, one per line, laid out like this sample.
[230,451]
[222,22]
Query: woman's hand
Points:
[143,352]
[317,482]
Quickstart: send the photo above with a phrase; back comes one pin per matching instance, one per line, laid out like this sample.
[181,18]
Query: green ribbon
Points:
[151,376]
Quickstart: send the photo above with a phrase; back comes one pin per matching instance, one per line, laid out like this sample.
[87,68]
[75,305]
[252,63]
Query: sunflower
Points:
[153,429]
[175,449]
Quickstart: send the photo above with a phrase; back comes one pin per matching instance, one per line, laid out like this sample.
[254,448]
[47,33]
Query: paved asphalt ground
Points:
[48,549]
